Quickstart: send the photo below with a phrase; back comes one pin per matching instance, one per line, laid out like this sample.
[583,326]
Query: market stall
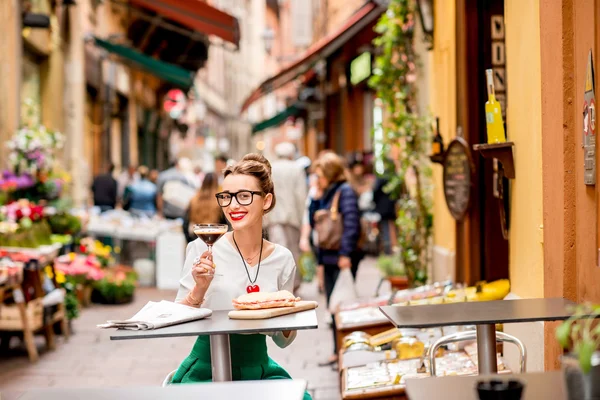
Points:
[163,238]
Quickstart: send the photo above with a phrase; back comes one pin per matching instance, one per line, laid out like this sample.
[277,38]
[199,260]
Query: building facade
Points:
[539,53]
[100,72]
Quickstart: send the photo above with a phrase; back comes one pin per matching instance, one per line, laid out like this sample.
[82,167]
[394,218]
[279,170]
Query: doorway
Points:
[480,46]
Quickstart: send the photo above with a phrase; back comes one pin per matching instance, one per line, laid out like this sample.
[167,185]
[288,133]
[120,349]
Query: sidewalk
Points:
[90,359]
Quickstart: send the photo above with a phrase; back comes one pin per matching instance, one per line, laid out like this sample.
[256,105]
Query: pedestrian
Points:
[285,221]
[153,176]
[307,235]
[175,190]
[221,161]
[141,195]
[385,206]
[331,183]
[104,190]
[203,208]
[126,178]
[243,259]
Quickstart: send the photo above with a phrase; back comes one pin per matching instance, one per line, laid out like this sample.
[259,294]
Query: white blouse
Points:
[277,272]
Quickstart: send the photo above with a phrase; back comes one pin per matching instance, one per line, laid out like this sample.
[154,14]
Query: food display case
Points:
[387,379]
[364,314]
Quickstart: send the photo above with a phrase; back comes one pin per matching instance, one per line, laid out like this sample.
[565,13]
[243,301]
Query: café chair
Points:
[472,335]
[168,378]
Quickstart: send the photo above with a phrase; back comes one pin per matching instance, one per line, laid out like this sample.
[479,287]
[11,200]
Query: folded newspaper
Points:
[156,315]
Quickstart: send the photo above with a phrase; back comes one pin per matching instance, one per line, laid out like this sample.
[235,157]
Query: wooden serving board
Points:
[272,312]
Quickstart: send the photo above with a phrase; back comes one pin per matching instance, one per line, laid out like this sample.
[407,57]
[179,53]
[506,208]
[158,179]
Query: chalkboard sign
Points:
[458,177]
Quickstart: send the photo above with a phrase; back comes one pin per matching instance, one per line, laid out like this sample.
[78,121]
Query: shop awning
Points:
[168,72]
[320,50]
[278,119]
[196,15]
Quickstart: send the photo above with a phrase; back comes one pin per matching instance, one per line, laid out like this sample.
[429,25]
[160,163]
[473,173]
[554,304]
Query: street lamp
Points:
[268,37]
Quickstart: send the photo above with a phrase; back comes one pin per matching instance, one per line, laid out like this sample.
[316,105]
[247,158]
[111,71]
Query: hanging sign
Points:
[458,177]
[589,125]
[174,103]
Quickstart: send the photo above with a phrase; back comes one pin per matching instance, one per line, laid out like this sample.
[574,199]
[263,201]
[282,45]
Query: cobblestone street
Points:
[90,359]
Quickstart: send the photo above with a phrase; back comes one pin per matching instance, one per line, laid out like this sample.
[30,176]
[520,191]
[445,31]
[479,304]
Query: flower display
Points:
[9,181]
[32,149]
[102,252]
[82,268]
[18,210]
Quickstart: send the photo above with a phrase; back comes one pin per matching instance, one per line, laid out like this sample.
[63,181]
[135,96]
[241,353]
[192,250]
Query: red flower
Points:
[82,248]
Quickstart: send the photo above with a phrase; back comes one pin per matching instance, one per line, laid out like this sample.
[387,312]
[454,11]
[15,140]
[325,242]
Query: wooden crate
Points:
[10,316]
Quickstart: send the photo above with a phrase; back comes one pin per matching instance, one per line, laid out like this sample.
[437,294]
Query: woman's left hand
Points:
[344,262]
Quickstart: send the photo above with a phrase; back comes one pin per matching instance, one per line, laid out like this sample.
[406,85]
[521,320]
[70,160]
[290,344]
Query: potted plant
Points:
[580,336]
[392,269]
[116,287]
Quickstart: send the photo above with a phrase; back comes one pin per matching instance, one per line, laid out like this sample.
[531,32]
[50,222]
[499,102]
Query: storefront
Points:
[550,246]
[337,104]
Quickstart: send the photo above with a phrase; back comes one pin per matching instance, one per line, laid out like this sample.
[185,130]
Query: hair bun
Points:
[259,158]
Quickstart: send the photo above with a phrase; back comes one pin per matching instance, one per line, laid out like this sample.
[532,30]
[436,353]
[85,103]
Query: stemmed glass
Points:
[209,234]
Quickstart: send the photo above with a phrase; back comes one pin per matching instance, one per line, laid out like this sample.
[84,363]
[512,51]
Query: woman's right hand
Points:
[203,270]
[305,245]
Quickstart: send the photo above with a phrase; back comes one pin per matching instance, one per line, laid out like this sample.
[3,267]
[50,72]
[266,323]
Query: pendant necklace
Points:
[252,287]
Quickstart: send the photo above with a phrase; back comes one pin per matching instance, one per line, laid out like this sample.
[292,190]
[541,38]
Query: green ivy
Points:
[406,133]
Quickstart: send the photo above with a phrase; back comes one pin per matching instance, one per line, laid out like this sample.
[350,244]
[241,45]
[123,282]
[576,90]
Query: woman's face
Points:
[358,170]
[322,182]
[244,216]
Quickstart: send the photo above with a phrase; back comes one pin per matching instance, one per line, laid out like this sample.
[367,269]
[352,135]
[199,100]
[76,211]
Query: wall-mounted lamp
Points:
[426,15]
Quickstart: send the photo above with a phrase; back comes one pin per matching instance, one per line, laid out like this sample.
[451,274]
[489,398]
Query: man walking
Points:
[104,190]
[175,189]
[285,221]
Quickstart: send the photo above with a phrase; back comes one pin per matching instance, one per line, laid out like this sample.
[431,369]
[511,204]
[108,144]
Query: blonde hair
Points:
[203,206]
[258,166]
[332,167]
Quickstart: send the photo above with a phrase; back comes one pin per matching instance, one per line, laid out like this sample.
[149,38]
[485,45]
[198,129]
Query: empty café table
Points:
[539,385]
[219,327]
[284,389]
[485,315]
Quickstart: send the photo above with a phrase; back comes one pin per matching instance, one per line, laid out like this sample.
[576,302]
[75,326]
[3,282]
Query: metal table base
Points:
[220,355]
[486,349]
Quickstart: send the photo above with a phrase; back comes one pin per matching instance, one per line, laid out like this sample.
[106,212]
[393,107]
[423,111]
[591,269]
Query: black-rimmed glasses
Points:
[243,197]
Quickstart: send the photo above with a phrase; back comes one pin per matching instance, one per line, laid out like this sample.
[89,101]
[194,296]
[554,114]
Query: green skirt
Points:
[249,362]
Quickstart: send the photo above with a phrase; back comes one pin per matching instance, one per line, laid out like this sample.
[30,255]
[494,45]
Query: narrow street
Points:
[91,360]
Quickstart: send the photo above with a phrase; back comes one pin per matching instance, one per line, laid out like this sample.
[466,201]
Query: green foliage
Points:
[71,302]
[581,335]
[405,133]
[117,286]
[64,223]
[390,265]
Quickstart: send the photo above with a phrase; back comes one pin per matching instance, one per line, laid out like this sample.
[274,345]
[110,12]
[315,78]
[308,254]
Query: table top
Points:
[284,389]
[538,385]
[479,313]
[219,323]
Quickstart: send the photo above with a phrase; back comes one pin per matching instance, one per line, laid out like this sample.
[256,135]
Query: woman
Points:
[330,180]
[243,259]
[203,208]
[140,196]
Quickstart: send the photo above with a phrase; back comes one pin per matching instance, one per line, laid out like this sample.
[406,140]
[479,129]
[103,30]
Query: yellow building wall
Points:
[442,93]
[524,128]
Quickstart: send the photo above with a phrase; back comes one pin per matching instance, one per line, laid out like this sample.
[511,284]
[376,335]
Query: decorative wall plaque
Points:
[589,125]
[458,178]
